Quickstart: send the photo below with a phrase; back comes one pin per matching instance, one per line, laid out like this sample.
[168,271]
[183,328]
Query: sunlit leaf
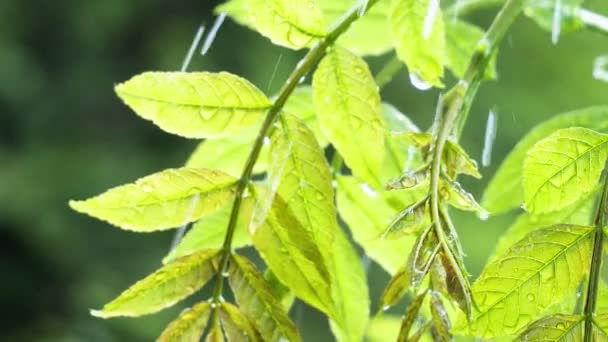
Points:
[600,331]
[279,290]
[539,270]
[369,35]
[383,328]
[238,327]
[300,104]
[163,288]
[419,38]
[256,301]
[348,106]
[460,198]
[462,39]
[368,214]
[399,155]
[196,104]
[506,190]
[349,291]
[238,10]
[189,326]
[291,23]
[558,328]
[209,232]
[163,200]
[562,168]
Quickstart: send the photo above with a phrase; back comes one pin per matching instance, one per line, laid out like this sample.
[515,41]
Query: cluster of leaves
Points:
[286,205]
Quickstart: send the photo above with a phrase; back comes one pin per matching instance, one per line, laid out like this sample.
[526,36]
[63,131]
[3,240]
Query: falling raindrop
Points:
[213,33]
[195,42]
[385,308]
[557,22]
[368,190]
[179,235]
[418,83]
[429,20]
[486,156]
[483,215]
[411,153]
[600,68]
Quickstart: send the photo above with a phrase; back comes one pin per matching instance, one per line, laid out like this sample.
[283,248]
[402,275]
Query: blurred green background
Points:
[64,135]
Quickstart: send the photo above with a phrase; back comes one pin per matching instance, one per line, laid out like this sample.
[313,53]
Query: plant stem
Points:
[313,56]
[452,105]
[601,220]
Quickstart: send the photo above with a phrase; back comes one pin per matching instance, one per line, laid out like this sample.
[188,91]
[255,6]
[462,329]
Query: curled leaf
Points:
[410,316]
[237,326]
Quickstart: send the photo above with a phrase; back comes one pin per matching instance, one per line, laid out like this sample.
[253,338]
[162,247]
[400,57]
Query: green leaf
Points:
[197,104]
[506,190]
[215,333]
[462,39]
[419,38]
[348,105]
[209,232]
[562,168]
[290,252]
[279,290]
[293,24]
[368,35]
[578,213]
[163,288]
[383,328]
[368,214]
[257,302]
[600,331]
[349,292]
[460,198]
[238,327]
[538,271]
[410,316]
[228,154]
[558,328]
[163,200]
[543,13]
[399,155]
[189,326]
[300,104]
[441,320]
[238,10]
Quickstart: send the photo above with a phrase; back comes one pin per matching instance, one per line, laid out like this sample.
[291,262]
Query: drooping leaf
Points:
[163,288]
[543,13]
[189,326]
[562,168]
[410,317]
[196,104]
[538,271]
[290,252]
[215,333]
[462,39]
[293,24]
[209,232]
[558,328]
[300,104]
[440,318]
[506,190]
[459,198]
[257,303]
[348,106]
[238,327]
[304,181]
[419,38]
[368,35]
[163,200]
[349,291]
[368,214]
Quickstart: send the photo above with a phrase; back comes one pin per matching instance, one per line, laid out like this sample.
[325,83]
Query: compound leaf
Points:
[189,326]
[163,288]
[562,168]
[196,104]
[541,269]
[506,190]
[348,105]
[418,34]
[257,302]
[163,200]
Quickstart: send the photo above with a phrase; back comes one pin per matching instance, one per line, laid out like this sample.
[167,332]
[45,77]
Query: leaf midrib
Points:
[197,105]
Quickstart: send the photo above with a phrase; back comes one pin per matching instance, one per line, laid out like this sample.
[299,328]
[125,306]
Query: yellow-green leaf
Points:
[189,326]
[349,110]
[300,104]
[506,190]
[238,10]
[562,168]
[238,327]
[197,104]
[541,269]
[163,288]
[368,214]
[558,328]
[462,39]
[209,232]
[256,301]
[368,35]
[163,200]
[410,317]
[383,328]
[418,34]
[215,334]
[399,155]
[293,24]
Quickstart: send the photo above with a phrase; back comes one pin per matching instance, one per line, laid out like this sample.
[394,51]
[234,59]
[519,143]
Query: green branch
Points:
[313,56]
[601,220]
